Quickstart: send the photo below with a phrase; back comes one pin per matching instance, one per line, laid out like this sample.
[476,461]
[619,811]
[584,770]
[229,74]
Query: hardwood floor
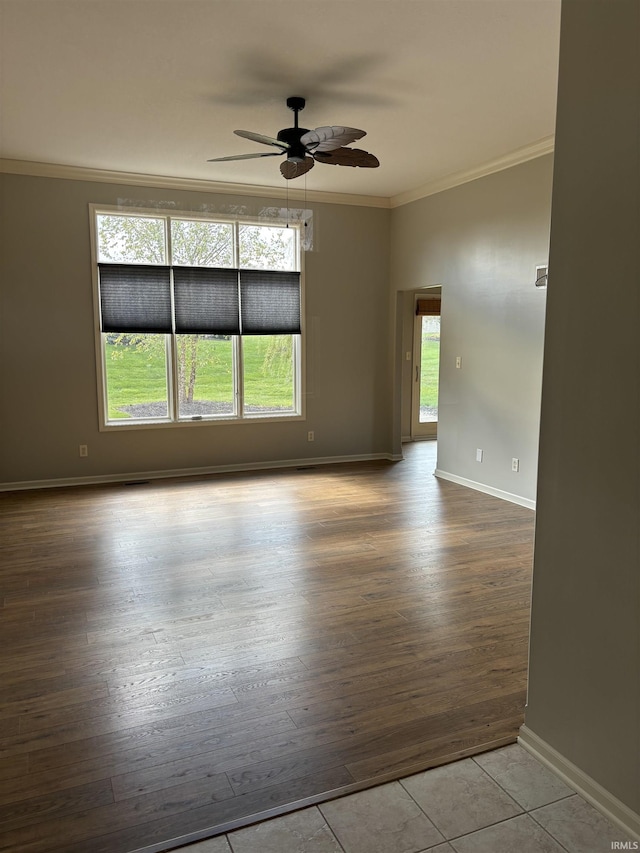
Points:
[183,655]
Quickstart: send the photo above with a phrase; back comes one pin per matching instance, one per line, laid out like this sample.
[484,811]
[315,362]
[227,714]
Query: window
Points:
[198,318]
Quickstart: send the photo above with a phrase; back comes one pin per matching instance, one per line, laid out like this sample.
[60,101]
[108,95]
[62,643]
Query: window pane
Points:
[266,247]
[136,376]
[429,369]
[205,375]
[201,244]
[268,373]
[131,239]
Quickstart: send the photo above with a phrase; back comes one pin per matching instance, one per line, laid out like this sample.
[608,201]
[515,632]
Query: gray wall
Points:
[482,242]
[48,396]
[584,685]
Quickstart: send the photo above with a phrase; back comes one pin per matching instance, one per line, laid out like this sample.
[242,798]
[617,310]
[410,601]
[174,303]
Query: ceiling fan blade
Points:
[348,157]
[246,156]
[260,137]
[290,169]
[330,138]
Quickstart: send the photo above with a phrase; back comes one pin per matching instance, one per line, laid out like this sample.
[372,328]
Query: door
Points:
[426,367]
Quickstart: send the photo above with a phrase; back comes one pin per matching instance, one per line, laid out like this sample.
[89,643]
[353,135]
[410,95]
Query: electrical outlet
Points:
[84,450]
[515,464]
[311,436]
[479,455]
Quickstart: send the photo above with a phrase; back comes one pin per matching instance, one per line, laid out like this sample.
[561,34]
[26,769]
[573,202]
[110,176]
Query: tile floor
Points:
[503,801]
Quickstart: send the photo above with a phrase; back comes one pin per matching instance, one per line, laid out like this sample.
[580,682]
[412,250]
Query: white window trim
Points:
[299,341]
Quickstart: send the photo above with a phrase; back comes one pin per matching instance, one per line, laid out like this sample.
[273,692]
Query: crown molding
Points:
[514,158]
[79,173]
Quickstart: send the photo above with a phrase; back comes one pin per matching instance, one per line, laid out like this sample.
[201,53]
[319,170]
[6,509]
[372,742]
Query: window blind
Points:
[206,300]
[135,298]
[428,307]
[270,302]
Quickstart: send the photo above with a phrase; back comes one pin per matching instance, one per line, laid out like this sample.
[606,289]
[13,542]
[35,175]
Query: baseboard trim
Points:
[65,482]
[611,807]
[488,490]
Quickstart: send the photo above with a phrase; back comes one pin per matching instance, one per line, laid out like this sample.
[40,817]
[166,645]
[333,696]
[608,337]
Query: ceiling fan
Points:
[304,147]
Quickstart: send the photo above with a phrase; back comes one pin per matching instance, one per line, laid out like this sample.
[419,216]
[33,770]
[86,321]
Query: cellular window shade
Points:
[206,301]
[135,298]
[270,302]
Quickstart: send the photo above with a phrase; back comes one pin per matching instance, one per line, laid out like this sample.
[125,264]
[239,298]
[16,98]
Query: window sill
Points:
[125,425]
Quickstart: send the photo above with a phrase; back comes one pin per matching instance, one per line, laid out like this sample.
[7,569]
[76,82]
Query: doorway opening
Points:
[426,365]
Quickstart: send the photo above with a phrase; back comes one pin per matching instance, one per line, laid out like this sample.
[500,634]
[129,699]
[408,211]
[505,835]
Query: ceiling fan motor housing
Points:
[292,135]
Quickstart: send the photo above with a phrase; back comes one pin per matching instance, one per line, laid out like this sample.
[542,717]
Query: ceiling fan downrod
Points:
[297,105]
[292,135]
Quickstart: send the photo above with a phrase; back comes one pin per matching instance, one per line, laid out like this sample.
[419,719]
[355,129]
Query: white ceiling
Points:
[158,86]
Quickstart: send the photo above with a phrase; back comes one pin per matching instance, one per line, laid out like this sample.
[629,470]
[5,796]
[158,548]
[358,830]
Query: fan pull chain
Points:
[287,204]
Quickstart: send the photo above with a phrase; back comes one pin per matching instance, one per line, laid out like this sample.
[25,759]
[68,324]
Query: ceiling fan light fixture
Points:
[296,153]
